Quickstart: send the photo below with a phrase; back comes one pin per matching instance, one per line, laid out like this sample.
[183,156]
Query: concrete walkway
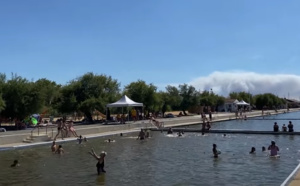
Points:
[15,138]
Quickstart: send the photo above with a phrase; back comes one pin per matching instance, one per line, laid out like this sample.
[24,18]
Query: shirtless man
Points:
[60,126]
[100,163]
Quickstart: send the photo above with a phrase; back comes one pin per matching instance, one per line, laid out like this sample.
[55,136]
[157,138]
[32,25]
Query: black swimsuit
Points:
[100,167]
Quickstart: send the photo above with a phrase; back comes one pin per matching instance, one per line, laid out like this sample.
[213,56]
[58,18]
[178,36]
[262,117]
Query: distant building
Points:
[230,105]
[292,103]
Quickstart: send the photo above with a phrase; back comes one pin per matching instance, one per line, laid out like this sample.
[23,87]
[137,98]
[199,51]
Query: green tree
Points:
[22,98]
[88,93]
[141,92]
[50,92]
[2,83]
[189,97]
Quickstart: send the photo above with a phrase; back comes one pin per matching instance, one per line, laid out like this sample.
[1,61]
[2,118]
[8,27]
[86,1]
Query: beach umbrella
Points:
[34,121]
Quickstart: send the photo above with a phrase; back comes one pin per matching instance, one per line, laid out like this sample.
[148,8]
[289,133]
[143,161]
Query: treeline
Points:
[20,97]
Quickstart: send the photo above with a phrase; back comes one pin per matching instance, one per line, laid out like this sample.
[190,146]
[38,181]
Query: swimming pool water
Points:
[160,160]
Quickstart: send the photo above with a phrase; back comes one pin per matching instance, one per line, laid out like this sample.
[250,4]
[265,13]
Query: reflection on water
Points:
[161,160]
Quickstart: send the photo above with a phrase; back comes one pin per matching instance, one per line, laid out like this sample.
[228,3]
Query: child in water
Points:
[15,164]
[60,150]
[252,150]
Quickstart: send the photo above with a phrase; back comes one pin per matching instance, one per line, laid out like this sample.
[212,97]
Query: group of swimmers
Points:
[272,148]
[289,128]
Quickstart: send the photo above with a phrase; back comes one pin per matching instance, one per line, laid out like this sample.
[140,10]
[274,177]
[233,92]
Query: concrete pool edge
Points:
[105,130]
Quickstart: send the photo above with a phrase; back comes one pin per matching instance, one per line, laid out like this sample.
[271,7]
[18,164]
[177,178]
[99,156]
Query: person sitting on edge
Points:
[252,150]
[170,131]
[275,127]
[291,127]
[263,149]
[273,149]
[15,164]
[284,128]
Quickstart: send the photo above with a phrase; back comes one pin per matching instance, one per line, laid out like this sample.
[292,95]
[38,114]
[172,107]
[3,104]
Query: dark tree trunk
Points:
[89,117]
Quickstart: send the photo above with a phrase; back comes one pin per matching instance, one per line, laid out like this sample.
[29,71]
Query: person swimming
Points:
[15,164]
[252,150]
[170,131]
[263,149]
[109,140]
[179,134]
[141,135]
[60,150]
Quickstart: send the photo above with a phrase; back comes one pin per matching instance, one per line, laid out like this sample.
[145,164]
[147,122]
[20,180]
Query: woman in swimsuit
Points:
[100,163]
[72,129]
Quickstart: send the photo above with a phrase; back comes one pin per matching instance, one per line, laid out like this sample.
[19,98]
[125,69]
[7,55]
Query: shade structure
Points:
[242,103]
[125,102]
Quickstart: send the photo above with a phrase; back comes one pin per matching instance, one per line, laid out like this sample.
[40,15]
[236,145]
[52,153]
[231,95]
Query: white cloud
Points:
[222,83]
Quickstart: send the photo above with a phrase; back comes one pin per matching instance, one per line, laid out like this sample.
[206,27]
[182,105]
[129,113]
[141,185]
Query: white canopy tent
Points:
[242,103]
[124,102]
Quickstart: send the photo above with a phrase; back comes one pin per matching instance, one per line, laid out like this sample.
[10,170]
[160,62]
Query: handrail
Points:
[40,128]
[288,179]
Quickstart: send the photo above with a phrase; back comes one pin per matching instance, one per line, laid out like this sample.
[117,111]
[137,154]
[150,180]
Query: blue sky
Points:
[160,41]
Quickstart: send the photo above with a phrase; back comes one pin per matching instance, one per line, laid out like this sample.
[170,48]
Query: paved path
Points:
[15,138]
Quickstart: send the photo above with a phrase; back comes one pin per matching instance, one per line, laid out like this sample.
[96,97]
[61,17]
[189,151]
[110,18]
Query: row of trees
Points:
[20,97]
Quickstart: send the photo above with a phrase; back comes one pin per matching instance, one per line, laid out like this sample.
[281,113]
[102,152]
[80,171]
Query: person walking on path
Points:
[60,127]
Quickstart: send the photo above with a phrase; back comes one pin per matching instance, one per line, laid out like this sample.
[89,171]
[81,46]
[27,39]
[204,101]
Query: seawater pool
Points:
[161,160]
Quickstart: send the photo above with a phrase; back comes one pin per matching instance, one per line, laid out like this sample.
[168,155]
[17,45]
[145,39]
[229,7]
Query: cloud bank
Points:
[222,83]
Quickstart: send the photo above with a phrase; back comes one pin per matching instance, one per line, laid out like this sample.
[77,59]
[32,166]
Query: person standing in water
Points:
[53,146]
[15,164]
[141,135]
[252,150]
[60,150]
[100,163]
[273,149]
[215,151]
